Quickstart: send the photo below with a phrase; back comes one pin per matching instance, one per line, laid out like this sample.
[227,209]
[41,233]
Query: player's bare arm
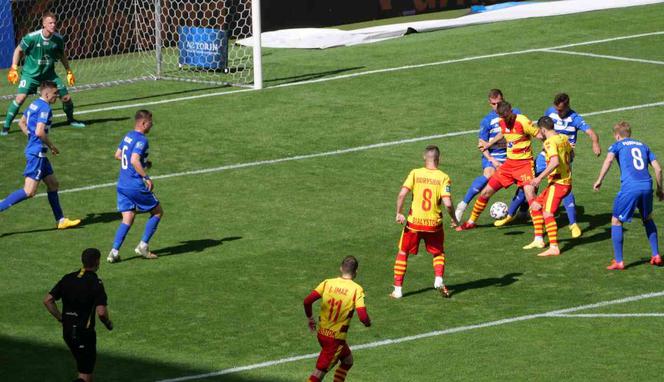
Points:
[449,206]
[102,312]
[658,179]
[605,169]
[138,166]
[492,142]
[40,132]
[400,218]
[594,138]
[23,124]
[554,161]
[49,303]
[118,154]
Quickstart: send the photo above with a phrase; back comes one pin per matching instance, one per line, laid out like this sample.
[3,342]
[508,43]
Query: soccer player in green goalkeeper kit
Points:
[42,48]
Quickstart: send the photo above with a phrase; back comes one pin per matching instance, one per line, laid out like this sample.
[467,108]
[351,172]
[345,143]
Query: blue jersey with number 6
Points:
[633,157]
[132,143]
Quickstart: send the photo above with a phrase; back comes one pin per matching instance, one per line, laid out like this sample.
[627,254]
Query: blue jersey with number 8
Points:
[132,143]
[633,157]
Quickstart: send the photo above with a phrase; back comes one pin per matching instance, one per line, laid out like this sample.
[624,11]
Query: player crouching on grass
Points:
[431,188]
[341,297]
[635,190]
[558,152]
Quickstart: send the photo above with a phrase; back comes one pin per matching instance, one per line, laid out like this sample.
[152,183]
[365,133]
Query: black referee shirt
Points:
[81,293]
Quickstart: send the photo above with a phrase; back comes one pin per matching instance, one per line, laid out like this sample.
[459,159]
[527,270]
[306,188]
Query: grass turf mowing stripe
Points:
[554,313]
[618,58]
[330,153]
[359,74]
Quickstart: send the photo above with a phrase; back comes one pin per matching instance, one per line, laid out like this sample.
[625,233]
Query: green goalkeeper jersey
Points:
[41,54]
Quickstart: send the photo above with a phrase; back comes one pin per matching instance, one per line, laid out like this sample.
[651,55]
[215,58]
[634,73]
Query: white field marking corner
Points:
[369,72]
[332,153]
[617,58]
[459,329]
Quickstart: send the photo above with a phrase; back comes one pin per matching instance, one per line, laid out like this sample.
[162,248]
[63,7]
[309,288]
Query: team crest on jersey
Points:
[127,140]
[139,145]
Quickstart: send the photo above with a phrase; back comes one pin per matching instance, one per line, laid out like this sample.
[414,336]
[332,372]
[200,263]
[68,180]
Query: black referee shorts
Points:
[83,346]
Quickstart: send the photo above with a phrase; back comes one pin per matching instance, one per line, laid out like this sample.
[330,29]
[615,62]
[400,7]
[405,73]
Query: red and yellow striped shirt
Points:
[518,137]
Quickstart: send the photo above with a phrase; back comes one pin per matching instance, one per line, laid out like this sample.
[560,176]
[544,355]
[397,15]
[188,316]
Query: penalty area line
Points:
[459,329]
[331,153]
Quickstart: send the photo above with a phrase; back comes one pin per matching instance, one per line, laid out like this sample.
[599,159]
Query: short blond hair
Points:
[48,14]
[623,129]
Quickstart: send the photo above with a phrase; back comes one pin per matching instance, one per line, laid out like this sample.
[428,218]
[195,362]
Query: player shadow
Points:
[38,230]
[25,360]
[189,246]
[593,223]
[89,122]
[102,217]
[455,289]
[312,76]
[636,263]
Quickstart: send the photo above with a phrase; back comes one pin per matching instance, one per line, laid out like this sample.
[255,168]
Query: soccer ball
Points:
[498,210]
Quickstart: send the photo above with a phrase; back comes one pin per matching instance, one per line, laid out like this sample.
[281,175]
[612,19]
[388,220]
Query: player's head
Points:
[48,91]
[431,154]
[143,121]
[547,127]
[48,22]
[504,109]
[90,258]
[349,266]
[561,103]
[495,96]
[622,130]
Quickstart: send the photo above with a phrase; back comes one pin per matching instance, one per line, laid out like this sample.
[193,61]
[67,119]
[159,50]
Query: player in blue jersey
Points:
[633,157]
[135,187]
[567,122]
[35,123]
[491,158]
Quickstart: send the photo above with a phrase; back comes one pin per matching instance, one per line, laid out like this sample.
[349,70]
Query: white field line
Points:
[330,153]
[365,73]
[608,315]
[618,58]
[554,313]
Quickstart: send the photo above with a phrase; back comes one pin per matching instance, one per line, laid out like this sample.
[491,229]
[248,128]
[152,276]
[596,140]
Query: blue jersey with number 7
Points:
[132,143]
[633,157]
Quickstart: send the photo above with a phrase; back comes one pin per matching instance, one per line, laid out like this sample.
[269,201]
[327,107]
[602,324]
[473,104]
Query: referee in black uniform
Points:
[82,294]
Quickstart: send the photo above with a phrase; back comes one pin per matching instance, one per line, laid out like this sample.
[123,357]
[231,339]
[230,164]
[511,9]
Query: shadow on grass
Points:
[29,361]
[89,122]
[455,289]
[312,76]
[189,246]
[102,217]
[594,222]
[636,263]
[155,95]
[29,231]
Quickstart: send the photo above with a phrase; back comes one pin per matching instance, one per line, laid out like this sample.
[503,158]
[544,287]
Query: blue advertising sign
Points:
[7,43]
[205,48]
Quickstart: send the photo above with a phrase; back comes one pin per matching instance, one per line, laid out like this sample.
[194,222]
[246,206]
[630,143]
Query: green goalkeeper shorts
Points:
[29,85]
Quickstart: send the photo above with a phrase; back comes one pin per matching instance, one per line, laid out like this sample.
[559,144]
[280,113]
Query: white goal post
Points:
[110,42]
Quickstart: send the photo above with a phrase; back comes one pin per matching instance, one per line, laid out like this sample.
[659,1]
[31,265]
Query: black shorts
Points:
[83,346]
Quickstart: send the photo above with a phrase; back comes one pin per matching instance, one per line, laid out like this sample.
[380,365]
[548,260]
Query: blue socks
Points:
[475,188]
[150,228]
[517,201]
[120,235]
[651,232]
[617,238]
[570,206]
[13,198]
[54,201]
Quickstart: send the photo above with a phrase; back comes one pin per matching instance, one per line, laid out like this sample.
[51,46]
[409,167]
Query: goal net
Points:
[109,42]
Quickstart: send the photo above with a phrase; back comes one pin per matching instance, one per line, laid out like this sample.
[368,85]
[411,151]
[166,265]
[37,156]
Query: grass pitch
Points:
[240,248]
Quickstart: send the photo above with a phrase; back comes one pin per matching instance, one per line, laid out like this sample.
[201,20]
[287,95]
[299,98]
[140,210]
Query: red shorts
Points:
[410,241]
[332,351]
[552,196]
[519,171]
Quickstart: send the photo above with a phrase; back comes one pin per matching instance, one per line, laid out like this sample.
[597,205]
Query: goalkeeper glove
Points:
[12,76]
[71,80]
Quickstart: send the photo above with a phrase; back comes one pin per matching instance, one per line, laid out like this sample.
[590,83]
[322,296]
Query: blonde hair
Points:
[623,129]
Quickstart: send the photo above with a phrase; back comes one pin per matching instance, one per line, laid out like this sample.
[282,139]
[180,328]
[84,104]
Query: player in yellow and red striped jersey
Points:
[518,131]
[558,171]
[341,297]
[431,189]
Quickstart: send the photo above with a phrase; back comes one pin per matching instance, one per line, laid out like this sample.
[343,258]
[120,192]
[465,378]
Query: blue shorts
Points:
[486,163]
[132,199]
[626,202]
[37,168]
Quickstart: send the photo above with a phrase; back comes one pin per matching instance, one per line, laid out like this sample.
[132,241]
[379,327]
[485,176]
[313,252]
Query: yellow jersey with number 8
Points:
[428,186]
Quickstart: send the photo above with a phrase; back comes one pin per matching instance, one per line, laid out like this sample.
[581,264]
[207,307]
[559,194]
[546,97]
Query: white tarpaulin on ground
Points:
[320,38]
